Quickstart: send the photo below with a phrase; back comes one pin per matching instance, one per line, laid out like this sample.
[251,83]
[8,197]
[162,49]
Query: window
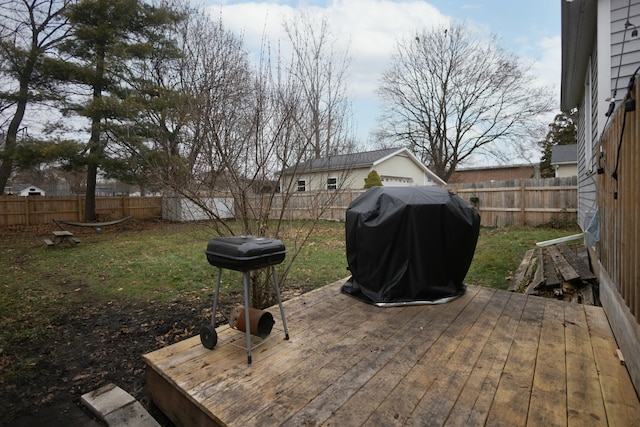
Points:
[332,183]
[302,185]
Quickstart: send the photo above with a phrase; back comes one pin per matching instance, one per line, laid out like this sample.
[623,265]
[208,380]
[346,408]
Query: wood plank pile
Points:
[556,271]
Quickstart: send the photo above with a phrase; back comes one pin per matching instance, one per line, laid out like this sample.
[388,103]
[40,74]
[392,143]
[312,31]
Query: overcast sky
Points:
[370,28]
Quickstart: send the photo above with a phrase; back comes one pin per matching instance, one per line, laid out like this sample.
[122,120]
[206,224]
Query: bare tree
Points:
[29,30]
[246,124]
[321,69]
[450,95]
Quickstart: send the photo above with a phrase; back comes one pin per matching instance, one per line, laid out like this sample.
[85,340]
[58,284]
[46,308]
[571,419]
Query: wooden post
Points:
[26,210]
[523,208]
[79,209]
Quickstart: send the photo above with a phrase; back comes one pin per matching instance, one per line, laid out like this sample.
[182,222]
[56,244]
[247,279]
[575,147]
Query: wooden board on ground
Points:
[577,263]
[567,272]
[551,277]
[520,274]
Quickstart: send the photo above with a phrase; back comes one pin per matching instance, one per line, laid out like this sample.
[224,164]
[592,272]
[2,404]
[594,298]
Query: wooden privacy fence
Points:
[500,203]
[619,205]
[327,204]
[34,210]
[520,202]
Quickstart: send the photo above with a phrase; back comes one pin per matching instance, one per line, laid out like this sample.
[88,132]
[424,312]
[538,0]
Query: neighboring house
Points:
[494,173]
[564,160]
[396,167]
[600,53]
[32,190]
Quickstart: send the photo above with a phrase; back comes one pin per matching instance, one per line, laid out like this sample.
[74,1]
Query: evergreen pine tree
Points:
[562,131]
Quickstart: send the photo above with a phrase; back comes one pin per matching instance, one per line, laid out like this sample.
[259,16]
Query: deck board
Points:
[548,404]
[487,358]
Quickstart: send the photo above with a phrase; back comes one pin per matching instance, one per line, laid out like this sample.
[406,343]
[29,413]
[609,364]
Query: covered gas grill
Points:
[409,245]
[244,254]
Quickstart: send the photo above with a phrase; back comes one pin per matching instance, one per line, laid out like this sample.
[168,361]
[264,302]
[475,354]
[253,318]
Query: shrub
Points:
[372,180]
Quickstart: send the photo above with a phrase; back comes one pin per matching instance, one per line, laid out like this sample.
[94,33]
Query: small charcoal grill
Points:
[244,254]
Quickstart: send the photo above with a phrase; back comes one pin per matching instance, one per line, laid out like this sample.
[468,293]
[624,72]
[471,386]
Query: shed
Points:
[32,190]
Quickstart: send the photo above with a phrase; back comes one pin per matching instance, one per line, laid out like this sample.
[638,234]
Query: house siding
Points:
[318,181]
[565,171]
[397,170]
[587,145]
[610,81]
[612,246]
[401,171]
[625,49]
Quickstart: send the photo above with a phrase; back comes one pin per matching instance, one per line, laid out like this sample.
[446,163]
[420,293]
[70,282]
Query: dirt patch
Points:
[96,343]
[90,347]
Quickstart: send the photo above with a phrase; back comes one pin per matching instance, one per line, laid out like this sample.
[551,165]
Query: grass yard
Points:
[166,262]
[73,319]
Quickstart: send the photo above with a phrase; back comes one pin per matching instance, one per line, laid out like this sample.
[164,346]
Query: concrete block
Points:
[131,415]
[117,408]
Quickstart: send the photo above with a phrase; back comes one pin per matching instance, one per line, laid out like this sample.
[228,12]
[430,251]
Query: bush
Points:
[372,180]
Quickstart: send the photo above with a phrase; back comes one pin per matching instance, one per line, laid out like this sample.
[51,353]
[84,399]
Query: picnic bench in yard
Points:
[62,238]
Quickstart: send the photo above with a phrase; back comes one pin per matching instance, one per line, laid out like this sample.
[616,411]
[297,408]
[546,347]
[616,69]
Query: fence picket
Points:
[500,203]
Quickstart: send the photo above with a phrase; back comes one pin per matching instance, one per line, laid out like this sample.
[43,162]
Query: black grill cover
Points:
[409,245]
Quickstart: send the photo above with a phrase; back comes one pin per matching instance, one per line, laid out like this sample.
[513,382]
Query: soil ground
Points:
[97,344]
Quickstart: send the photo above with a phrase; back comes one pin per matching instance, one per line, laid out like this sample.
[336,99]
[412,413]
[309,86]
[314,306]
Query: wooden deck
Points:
[487,358]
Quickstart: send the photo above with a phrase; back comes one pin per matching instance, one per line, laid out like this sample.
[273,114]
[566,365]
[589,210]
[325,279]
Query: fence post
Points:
[523,208]
[26,210]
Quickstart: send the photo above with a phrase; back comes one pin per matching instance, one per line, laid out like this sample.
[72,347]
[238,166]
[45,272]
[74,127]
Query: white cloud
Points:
[547,67]
[369,30]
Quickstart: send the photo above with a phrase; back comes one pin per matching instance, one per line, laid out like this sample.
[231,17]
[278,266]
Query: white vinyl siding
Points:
[625,44]
[587,145]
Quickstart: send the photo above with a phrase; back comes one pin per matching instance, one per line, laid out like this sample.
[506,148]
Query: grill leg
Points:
[247,322]
[215,298]
[284,321]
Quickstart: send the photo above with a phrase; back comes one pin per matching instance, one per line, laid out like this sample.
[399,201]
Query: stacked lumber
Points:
[556,271]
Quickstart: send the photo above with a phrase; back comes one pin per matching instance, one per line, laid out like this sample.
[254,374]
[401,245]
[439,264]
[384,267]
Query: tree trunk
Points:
[12,131]
[96,151]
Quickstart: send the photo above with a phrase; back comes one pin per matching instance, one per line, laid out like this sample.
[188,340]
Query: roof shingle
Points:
[564,154]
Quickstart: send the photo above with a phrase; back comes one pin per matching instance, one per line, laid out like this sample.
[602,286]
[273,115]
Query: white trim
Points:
[588,120]
[603,46]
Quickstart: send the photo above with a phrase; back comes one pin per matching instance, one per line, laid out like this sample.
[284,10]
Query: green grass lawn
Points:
[500,251]
[167,262]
